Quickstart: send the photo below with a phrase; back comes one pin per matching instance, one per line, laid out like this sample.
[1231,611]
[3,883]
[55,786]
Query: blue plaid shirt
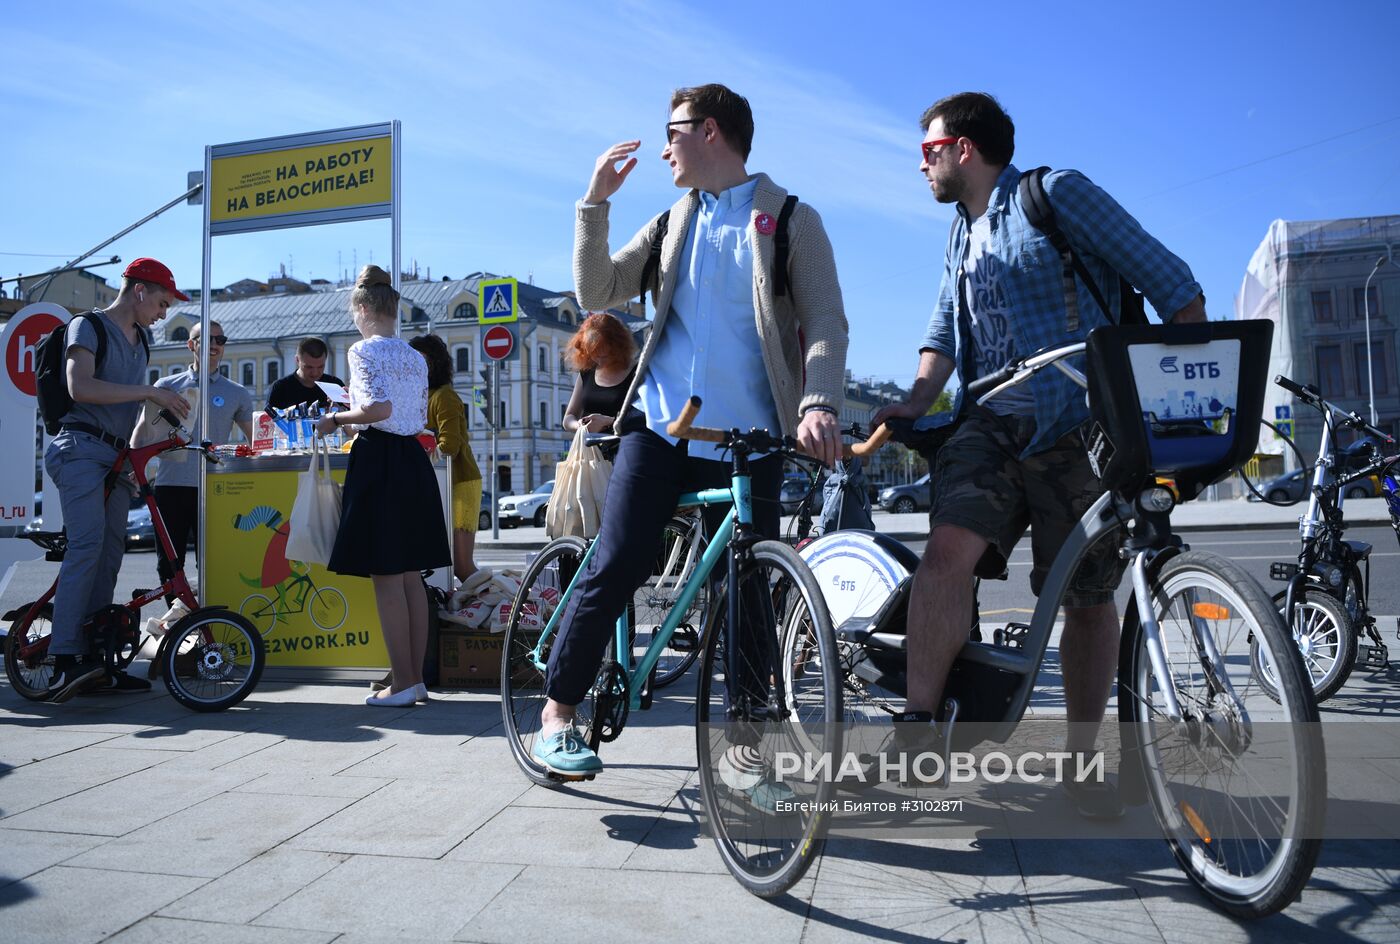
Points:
[1108,240]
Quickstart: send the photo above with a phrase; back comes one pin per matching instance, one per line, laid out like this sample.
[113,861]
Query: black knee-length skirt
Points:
[391,515]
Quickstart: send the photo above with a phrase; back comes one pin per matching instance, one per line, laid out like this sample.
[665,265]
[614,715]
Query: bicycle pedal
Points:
[685,640]
[1373,656]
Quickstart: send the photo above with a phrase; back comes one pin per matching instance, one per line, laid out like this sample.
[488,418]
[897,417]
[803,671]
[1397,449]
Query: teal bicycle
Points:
[767,833]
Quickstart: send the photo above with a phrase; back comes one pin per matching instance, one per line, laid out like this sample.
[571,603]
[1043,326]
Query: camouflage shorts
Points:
[981,484]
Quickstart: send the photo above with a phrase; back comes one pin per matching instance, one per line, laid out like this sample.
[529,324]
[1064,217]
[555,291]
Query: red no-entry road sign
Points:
[498,342]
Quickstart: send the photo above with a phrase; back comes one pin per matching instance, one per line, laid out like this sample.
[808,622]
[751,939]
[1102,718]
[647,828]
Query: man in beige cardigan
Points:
[756,357]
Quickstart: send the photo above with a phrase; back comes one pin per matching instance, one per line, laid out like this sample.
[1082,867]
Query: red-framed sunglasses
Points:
[928,146]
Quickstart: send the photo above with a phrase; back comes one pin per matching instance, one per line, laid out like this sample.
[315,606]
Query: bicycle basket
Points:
[1175,401]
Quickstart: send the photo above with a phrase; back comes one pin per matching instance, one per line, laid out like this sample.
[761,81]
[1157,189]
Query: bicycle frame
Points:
[138,458]
[741,513]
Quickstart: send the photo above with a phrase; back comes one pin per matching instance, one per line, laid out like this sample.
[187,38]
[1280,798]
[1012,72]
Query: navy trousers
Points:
[648,478]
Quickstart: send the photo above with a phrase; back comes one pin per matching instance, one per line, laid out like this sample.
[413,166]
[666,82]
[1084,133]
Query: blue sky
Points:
[1206,120]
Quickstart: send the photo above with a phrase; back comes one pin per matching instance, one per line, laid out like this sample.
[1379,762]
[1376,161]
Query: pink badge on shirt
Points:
[765,224]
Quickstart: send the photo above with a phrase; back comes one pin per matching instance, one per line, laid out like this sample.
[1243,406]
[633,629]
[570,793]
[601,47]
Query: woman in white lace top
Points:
[391,520]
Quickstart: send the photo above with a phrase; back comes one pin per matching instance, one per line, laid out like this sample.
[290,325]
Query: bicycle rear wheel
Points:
[212,659]
[1326,639]
[676,559]
[769,828]
[522,678]
[30,677]
[1239,784]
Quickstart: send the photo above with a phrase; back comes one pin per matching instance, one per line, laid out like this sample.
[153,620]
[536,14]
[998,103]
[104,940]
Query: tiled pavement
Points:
[304,816]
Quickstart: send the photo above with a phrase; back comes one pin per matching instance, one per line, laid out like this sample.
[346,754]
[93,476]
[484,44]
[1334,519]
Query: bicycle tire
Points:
[30,678]
[522,682]
[261,611]
[653,601]
[768,852]
[1200,589]
[1327,641]
[212,659]
[342,609]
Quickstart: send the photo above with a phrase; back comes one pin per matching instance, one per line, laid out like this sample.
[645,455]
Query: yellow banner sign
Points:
[343,175]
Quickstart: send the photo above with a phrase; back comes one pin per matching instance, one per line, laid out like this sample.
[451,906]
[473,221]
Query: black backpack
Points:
[780,246]
[1041,214]
[51,370]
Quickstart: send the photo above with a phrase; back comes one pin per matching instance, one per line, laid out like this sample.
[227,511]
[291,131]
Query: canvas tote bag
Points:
[580,485]
[316,511]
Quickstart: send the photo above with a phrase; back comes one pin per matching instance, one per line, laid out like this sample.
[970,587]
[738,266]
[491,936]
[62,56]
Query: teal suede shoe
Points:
[564,753]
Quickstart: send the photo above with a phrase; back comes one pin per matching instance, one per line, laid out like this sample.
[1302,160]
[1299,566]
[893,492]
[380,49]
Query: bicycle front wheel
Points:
[212,659]
[1238,785]
[768,824]
[1326,639]
[522,673]
[30,676]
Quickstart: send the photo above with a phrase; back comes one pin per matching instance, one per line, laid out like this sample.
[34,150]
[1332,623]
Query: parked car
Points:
[516,510]
[906,499]
[483,523]
[1293,486]
[794,490]
[140,530]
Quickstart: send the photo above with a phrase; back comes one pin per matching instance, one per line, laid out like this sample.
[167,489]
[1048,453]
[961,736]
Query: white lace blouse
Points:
[388,369]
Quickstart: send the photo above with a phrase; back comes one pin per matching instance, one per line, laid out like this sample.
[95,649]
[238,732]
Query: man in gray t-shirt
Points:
[177,482]
[107,397]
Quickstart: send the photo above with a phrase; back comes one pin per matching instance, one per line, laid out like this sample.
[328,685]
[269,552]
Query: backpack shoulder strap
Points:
[653,263]
[1040,213]
[780,246]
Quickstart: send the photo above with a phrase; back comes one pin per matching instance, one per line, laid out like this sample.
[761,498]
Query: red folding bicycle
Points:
[210,660]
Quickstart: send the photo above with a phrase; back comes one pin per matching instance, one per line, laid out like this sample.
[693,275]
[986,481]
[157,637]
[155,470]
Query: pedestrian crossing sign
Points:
[498,301]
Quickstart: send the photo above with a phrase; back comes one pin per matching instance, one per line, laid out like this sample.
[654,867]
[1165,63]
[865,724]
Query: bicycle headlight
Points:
[1157,500]
[1332,576]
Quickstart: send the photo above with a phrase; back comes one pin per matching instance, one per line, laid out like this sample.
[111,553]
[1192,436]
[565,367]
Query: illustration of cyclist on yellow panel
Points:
[306,615]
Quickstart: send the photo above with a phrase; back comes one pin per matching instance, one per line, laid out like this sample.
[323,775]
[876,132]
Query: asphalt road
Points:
[1254,550]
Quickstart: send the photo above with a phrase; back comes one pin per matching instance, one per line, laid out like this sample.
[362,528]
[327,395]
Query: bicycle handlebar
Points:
[871,445]
[1019,371]
[984,385]
[681,427]
[1311,396]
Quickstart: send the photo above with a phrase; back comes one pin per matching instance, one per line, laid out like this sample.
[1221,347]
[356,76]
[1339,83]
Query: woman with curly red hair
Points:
[604,354]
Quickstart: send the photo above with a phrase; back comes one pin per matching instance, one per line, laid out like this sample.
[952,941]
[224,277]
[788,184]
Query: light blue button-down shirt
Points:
[710,346]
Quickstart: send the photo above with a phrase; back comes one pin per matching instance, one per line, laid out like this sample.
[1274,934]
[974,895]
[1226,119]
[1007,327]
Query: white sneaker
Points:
[160,626]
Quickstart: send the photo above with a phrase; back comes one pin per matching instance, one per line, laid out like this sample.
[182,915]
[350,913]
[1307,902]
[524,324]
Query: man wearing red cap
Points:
[107,395]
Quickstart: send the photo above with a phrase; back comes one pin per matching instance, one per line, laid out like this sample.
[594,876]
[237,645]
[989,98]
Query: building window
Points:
[544,415]
[464,360]
[1322,307]
[246,370]
[180,334]
[465,312]
[563,364]
[1377,367]
[1359,300]
[175,369]
[272,372]
[223,369]
[153,376]
[544,360]
[563,411]
[501,415]
[1329,370]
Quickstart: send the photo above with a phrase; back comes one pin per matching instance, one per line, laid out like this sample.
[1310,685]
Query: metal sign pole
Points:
[493,408]
[206,277]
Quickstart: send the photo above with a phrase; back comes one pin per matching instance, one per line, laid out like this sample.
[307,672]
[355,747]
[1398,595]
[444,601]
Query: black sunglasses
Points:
[670,127]
[219,338]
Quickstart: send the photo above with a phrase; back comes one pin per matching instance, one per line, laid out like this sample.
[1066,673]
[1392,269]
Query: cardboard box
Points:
[469,660]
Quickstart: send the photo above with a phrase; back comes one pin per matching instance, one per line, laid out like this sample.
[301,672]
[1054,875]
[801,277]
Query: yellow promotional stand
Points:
[308,616]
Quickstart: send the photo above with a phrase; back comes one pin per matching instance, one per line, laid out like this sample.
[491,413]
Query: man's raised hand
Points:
[607,176]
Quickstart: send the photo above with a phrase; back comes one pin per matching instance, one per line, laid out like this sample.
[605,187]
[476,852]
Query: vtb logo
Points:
[1192,370]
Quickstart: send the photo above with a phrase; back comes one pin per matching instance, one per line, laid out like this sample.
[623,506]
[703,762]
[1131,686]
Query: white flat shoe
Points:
[420,693]
[400,699]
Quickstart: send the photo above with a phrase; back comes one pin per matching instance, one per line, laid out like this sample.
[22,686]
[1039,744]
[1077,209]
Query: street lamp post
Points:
[1370,373]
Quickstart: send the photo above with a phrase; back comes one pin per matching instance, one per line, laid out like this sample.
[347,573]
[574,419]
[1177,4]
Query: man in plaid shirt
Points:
[1019,460]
